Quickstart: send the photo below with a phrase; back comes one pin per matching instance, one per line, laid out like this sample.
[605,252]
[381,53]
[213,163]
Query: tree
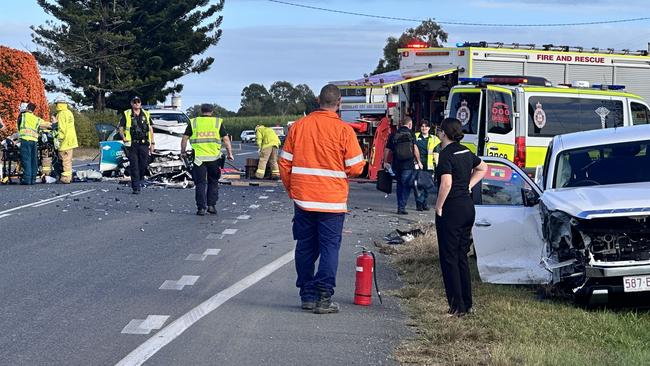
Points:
[428,32]
[111,50]
[256,101]
[220,111]
[307,102]
[284,97]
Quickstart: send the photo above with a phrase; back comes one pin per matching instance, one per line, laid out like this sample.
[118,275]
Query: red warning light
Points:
[417,44]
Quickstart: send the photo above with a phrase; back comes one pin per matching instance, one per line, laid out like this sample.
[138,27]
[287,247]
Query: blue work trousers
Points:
[318,235]
[29,161]
[404,181]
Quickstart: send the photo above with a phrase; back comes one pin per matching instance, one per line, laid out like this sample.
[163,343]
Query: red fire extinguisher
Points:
[365,272]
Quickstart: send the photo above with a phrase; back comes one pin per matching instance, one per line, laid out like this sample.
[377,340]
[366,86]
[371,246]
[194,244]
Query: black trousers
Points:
[138,164]
[454,230]
[206,180]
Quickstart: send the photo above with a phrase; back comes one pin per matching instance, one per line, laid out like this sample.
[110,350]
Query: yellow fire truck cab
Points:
[515,117]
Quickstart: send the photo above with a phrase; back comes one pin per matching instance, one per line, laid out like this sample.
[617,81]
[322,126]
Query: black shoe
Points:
[200,212]
[212,210]
[325,306]
[418,207]
[136,191]
[425,207]
[308,305]
[402,212]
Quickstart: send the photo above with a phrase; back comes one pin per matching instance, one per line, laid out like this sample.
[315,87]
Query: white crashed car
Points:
[584,226]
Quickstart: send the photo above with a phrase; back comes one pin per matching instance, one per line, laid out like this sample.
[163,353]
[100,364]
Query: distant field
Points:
[512,325]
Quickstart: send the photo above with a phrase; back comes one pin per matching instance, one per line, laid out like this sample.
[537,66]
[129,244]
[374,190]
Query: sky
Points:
[264,41]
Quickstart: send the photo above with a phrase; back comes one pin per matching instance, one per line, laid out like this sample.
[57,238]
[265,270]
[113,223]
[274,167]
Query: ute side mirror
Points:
[529,197]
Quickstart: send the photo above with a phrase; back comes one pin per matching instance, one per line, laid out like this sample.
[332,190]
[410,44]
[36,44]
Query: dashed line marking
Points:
[145,326]
[214,236]
[231,222]
[229,232]
[166,335]
[254,207]
[180,284]
[246,153]
[263,197]
[269,190]
[243,217]
[202,257]
[4,215]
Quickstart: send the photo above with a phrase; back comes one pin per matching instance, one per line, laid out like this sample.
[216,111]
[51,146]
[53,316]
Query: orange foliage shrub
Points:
[20,81]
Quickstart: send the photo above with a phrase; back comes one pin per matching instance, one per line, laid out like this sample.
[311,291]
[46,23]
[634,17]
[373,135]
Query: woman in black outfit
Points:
[457,172]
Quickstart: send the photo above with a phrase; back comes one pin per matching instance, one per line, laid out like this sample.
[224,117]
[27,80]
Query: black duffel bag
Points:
[384,181]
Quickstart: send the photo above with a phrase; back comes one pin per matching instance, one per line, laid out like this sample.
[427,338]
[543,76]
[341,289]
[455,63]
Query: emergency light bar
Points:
[506,80]
[608,87]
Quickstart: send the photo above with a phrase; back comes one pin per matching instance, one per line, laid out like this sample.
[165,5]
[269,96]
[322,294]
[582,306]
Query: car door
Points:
[507,231]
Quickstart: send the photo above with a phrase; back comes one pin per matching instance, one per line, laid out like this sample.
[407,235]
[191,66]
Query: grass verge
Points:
[511,326]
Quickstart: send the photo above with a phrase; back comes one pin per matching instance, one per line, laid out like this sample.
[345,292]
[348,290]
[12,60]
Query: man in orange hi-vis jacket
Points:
[318,156]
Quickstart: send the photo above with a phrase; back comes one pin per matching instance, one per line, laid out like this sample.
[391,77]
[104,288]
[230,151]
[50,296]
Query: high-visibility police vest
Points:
[205,139]
[432,141]
[127,130]
[28,129]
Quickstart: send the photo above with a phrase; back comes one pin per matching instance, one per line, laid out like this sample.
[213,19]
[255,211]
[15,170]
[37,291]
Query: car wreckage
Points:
[167,166]
[583,224]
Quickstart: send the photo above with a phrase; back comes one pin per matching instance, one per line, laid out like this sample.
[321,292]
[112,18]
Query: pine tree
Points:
[107,51]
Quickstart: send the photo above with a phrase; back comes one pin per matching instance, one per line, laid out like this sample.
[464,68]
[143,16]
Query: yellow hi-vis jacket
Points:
[206,139]
[66,133]
[28,128]
[431,144]
[127,128]
[266,137]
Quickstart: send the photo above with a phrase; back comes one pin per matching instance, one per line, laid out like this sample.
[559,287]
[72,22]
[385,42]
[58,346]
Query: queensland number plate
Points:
[636,283]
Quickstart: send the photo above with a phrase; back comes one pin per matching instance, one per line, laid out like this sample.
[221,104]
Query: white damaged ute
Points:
[583,225]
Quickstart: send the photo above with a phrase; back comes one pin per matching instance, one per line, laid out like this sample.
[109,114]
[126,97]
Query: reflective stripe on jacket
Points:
[127,129]
[319,155]
[266,137]
[432,141]
[28,129]
[205,139]
[66,133]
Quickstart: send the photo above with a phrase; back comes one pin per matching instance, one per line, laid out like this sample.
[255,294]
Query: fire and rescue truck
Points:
[424,81]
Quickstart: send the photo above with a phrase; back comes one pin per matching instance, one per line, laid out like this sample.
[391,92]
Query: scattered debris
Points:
[399,236]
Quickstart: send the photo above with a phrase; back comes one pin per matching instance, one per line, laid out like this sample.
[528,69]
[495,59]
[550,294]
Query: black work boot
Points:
[212,210]
[200,212]
[324,305]
[308,305]
[425,207]
[418,206]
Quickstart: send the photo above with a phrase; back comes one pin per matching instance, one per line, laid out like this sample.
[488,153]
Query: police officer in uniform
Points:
[457,172]
[205,133]
[137,135]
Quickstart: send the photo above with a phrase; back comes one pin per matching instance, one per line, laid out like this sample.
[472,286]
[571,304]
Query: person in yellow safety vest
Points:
[205,133]
[28,126]
[137,135]
[426,144]
[66,138]
[268,143]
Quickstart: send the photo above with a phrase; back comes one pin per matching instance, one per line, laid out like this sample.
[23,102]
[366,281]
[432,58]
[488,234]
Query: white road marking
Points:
[47,200]
[214,236]
[246,153]
[202,257]
[180,284]
[229,232]
[254,206]
[145,326]
[4,215]
[270,190]
[264,197]
[166,335]
[243,217]
[231,222]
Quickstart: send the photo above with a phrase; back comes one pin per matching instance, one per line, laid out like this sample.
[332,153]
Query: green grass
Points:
[511,326]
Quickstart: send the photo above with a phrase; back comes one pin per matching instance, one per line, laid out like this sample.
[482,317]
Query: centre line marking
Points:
[246,153]
[4,215]
[166,335]
[47,200]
